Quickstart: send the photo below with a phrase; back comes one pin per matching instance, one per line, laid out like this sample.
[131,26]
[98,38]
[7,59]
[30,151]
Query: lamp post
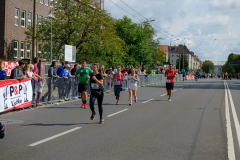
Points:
[51,16]
[34,30]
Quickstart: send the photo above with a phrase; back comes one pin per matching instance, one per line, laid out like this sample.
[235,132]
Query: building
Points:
[165,49]
[15,18]
[175,53]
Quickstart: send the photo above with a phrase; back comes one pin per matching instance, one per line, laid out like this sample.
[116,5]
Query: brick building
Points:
[15,18]
[164,48]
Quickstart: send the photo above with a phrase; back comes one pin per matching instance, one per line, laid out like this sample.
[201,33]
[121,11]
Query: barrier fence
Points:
[53,90]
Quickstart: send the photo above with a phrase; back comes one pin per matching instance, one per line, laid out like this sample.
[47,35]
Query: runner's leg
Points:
[100,101]
[130,96]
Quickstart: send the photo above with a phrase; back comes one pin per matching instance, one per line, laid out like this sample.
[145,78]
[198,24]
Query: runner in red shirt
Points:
[170,74]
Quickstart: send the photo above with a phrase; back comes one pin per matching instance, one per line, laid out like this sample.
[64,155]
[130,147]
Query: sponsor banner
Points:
[9,66]
[15,94]
[190,77]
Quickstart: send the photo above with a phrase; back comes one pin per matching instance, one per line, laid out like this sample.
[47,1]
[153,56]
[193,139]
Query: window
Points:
[16,16]
[23,17]
[51,3]
[29,19]
[28,50]
[172,55]
[40,21]
[46,2]
[177,56]
[22,50]
[40,51]
[15,49]
[172,60]
[41,1]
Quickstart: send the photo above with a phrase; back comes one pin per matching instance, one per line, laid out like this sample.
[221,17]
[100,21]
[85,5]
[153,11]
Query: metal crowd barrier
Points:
[67,89]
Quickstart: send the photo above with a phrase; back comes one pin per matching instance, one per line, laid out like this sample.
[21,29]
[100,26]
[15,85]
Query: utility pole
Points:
[34,30]
[183,56]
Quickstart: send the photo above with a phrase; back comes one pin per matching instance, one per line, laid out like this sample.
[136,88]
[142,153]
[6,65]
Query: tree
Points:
[88,28]
[208,66]
[232,65]
[142,48]
[181,63]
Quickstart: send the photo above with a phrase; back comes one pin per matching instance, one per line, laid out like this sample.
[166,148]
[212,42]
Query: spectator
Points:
[158,71]
[73,71]
[65,75]
[144,70]
[52,79]
[36,74]
[2,131]
[29,73]
[61,68]
[41,83]
[2,73]
[17,71]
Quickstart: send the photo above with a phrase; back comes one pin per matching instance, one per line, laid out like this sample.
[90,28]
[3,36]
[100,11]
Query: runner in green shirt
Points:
[83,74]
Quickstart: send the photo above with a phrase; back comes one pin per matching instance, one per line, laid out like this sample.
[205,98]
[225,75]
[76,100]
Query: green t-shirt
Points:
[84,72]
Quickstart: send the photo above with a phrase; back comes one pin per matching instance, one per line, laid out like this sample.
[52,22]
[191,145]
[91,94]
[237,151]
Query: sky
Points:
[209,28]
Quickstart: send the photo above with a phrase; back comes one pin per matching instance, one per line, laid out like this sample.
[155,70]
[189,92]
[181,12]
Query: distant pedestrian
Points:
[2,131]
[36,74]
[73,71]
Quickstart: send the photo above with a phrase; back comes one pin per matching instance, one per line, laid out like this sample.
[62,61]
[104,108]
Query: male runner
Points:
[83,74]
[170,74]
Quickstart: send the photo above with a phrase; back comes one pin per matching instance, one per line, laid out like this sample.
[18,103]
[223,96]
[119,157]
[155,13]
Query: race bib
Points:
[168,81]
[117,82]
[132,81]
[94,86]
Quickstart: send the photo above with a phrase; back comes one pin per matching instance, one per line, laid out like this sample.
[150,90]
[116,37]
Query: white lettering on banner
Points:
[9,66]
[15,95]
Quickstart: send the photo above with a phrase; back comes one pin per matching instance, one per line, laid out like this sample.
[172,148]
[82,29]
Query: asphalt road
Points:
[195,125]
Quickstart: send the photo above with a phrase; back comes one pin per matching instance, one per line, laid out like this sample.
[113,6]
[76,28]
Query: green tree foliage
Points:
[142,48]
[232,65]
[181,63]
[88,28]
[208,66]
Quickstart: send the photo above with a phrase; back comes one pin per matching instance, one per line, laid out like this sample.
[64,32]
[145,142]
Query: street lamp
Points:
[51,16]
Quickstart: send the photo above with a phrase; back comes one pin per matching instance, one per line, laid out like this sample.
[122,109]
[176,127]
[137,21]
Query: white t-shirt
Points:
[29,73]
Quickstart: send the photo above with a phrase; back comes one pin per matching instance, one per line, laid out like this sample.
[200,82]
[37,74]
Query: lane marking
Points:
[174,90]
[163,95]
[53,137]
[117,113]
[231,151]
[147,101]
[235,117]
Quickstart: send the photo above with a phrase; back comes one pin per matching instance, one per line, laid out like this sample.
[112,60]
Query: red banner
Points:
[9,66]
[190,77]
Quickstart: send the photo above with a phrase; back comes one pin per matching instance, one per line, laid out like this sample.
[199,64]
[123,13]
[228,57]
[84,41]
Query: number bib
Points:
[168,81]
[94,86]
[117,83]
[132,81]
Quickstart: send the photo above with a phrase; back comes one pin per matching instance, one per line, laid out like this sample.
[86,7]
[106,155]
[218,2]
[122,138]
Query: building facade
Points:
[15,18]
[177,51]
[164,48]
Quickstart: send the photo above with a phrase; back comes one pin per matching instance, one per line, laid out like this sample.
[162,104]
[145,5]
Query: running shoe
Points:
[39,104]
[101,121]
[60,100]
[117,103]
[136,100]
[169,100]
[130,103]
[93,116]
[82,106]
[85,106]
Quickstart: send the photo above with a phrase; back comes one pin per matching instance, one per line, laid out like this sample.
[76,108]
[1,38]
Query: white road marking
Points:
[182,88]
[174,90]
[163,95]
[235,118]
[195,83]
[231,151]
[117,113]
[147,101]
[53,137]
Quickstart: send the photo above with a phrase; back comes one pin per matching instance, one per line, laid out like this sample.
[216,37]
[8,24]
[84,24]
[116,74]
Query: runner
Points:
[96,86]
[184,74]
[170,74]
[118,78]
[132,85]
[83,74]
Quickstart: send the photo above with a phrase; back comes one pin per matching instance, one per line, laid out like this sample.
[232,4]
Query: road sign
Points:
[70,53]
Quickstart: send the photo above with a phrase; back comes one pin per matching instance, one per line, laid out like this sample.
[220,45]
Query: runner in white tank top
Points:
[132,85]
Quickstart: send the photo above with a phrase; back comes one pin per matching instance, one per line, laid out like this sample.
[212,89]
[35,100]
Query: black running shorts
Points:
[169,86]
[82,87]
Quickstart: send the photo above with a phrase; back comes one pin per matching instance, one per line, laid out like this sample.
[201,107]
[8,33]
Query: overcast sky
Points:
[211,28]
